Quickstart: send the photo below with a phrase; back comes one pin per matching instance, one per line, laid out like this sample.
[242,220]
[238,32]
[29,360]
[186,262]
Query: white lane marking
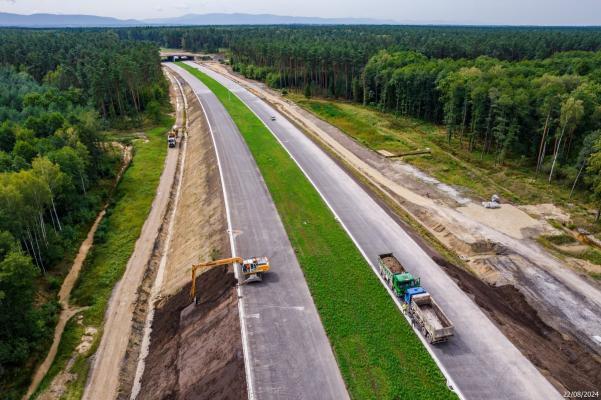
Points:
[296,308]
[158,282]
[450,382]
[244,333]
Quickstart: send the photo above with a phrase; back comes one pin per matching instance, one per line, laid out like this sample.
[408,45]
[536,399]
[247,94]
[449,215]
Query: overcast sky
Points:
[513,12]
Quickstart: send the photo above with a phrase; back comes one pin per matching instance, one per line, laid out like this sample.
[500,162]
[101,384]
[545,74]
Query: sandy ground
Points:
[137,348]
[497,245]
[508,219]
[195,352]
[200,224]
[104,379]
[64,293]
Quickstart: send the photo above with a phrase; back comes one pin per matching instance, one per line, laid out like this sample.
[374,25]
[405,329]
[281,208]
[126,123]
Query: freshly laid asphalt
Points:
[480,361]
[287,352]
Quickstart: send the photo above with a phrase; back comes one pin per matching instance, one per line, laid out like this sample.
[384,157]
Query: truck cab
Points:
[414,291]
[403,282]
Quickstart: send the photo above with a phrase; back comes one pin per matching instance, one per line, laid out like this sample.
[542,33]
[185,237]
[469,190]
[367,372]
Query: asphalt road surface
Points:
[481,362]
[287,352]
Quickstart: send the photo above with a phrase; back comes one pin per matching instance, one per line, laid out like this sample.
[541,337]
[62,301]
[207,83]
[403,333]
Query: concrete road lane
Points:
[481,361]
[287,351]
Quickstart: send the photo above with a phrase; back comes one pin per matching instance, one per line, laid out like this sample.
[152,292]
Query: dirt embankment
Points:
[197,348]
[195,352]
[563,360]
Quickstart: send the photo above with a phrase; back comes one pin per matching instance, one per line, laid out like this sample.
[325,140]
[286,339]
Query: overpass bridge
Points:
[179,55]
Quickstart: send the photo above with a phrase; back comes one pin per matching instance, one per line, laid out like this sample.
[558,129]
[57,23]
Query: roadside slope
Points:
[194,351]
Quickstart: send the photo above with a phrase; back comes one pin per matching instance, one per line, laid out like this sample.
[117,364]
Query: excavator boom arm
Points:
[211,264]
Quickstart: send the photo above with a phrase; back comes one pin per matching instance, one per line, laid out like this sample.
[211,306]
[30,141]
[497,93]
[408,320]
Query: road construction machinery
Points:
[172,136]
[395,275]
[418,304]
[252,269]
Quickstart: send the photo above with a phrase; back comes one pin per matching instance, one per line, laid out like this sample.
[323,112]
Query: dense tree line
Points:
[546,111]
[330,59]
[120,77]
[527,93]
[50,158]
[58,91]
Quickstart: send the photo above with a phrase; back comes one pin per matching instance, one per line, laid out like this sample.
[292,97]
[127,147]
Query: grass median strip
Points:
[377,351]
[113,245]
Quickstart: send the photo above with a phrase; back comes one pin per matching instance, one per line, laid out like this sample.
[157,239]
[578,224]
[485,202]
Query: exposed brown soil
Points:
[196,351]
[393,264]
[564,361]
[197,348]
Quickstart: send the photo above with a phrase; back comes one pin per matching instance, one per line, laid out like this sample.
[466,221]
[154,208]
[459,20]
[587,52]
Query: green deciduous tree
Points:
[594,175]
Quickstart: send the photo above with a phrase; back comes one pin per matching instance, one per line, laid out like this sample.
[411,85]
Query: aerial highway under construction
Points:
[479,362]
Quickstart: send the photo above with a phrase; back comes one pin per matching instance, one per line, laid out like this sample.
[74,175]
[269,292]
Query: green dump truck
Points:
[395,275]
[419,305]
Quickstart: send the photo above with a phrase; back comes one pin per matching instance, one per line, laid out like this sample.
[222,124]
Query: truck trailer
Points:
[418,305]
[425,313]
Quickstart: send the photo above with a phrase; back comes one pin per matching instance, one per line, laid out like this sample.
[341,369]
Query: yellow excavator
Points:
[252,269]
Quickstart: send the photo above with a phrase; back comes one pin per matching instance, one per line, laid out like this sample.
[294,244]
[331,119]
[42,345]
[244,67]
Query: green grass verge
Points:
[121,227]
[113,245]
[378,353]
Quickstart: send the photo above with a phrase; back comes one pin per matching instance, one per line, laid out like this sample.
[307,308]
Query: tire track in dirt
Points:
[143,310]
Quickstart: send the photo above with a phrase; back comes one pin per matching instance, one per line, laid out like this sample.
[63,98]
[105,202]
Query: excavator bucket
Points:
[252,278]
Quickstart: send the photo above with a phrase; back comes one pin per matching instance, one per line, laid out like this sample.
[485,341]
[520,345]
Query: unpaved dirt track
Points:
[289,354]
[195,352]
[64,293]
[103,380]
[482,362]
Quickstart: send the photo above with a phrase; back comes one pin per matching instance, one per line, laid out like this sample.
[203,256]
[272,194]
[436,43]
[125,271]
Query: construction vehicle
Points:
[418,304]
[395,275]
[252,269]
[172,136]
[427,315]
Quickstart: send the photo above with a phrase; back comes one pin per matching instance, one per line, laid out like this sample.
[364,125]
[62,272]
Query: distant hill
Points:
[62,21]
[261,19]
[82,21]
